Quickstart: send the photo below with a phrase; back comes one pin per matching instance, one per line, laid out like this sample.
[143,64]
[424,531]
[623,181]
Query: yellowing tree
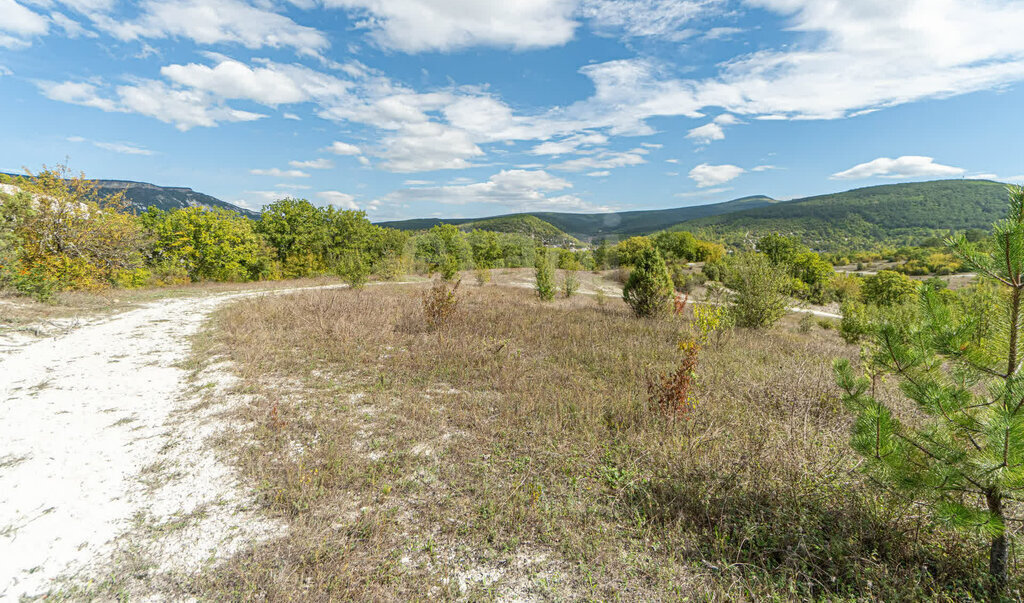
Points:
[62,235]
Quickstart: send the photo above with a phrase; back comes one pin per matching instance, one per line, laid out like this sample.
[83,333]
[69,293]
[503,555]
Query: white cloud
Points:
[907,166]
[668,19]
[125,148]
[706,175]
[213,22]
[18,24]
[524,190]
[291,116]
[763,168]
[279,173]
[599,174]
[428,146]
[569,144]
[707,133]
[338,199]
[234,80]
[604,160]
[343,148]
[183,108]
[313,164]
[5,71]
[418,25]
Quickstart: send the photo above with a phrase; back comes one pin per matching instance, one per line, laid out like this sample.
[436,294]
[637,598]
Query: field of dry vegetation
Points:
[514,453]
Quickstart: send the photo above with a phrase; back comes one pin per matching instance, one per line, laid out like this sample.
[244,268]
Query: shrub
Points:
[629,251]
[483,275]
[758,298]
[714,271]
[354,269]
[806,323]
[889,288]
[570,283]
[846,287]
[440,303]
[649,287]
[544,274]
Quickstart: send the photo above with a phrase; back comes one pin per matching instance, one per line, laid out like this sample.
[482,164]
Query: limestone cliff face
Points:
[141,195]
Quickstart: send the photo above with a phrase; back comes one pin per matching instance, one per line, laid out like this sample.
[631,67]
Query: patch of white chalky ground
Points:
[99,439]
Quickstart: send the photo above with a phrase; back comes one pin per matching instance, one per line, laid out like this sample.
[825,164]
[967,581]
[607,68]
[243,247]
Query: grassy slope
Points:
[594,225]
[891,214]
[527,225]
[515,454]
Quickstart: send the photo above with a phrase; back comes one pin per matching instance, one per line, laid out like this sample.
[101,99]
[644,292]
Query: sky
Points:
[467,108]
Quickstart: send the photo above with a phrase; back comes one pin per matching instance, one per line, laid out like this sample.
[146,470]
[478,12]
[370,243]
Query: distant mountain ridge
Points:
[141,195]
[590,226]
[889,214]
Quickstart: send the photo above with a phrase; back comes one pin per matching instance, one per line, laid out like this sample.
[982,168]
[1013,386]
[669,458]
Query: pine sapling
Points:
[965,458]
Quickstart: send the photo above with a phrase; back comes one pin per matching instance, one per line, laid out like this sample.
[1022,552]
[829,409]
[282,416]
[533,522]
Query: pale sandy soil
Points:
[103,447]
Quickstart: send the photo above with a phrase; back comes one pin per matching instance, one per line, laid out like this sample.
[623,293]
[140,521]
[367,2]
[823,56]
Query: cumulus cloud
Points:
[907,166]
[185,109]
[313,164]
[279,173]
[524,190]
[212,22]
[19,24]
[604,161]
[706,175]
[343,148]
[668,19]
[569,144]
[445,25]
[338,199]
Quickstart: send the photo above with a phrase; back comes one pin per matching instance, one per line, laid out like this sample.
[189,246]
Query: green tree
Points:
[780,249]
[815,273]
[601,255]
[444,249]
[963,454]
[758,298]
[629,251]
[678,245]
[485,248]
[545,274]
[213,245]
[297,231]
[889,288]
[649,287]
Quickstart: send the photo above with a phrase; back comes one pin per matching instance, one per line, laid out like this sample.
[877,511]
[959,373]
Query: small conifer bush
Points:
[649,287]
[545,275]
[440,303]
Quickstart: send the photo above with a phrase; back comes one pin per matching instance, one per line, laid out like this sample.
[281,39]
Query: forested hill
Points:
[590,226]
[894,214]
[142,194]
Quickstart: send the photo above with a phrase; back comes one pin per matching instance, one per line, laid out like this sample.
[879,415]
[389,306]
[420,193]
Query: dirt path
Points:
[99,437]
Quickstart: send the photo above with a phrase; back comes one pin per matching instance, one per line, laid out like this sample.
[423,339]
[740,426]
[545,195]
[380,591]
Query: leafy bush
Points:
[629,251]
[354,269]
[889,288]
[544,274]
[210,245]
[758,297]
[570,283]
[440,303]
[649,287]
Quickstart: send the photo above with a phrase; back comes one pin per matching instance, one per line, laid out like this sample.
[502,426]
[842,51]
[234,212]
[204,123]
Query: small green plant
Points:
[354,269]
[545,275]
[806,323]
[649,287]
[483,275]
[600,297]
[707,320]
[440,303]
[570,283]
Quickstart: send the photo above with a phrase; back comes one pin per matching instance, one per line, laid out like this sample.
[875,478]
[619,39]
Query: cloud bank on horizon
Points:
[426,107]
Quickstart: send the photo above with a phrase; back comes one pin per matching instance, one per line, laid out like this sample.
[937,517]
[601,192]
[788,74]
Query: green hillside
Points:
[894,214]
[523,224]
[589,226]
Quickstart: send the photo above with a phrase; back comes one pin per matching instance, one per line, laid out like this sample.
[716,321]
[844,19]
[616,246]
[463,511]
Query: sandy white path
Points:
[81,415]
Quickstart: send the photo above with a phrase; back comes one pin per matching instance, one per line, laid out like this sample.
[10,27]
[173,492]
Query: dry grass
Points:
[514,454]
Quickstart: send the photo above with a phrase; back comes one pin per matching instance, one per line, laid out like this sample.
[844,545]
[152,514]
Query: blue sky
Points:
[461,108]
